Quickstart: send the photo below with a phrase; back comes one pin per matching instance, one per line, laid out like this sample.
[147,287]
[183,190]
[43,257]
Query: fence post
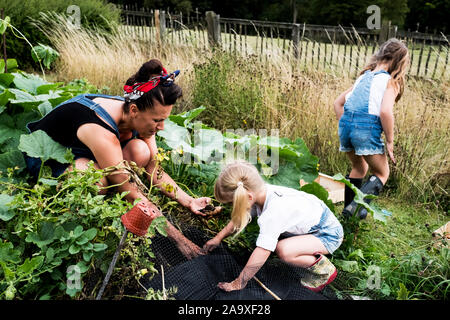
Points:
[213,26]
[162,25]
[295,39]
[156,25]
[384,32]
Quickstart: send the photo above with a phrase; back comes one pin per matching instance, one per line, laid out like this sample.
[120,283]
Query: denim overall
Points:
[359,130]
[34,164]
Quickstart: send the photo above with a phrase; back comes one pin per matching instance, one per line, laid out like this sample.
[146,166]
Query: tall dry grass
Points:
[291,97]
[107,59]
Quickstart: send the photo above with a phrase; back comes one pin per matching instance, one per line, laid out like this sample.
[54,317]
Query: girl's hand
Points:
[211,245]
[199,203]
[231,286]
[390,150]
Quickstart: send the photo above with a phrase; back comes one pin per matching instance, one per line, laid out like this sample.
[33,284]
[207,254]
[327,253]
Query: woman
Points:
[110,129]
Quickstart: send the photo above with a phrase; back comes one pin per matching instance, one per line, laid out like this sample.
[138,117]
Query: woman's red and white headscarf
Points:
[135,91]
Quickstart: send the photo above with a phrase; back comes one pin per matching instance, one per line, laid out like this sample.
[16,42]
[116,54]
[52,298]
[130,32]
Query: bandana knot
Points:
[135,91]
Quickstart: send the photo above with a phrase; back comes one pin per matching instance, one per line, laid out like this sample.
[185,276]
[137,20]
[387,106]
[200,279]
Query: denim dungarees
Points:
[359,130]
[34,164]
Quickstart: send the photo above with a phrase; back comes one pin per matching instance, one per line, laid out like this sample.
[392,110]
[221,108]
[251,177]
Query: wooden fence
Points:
[314,46]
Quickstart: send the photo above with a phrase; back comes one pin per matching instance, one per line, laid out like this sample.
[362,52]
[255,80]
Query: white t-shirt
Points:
[377,89]
[285,210]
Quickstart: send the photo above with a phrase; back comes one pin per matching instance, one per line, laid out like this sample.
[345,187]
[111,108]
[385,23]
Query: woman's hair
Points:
[165,95]
[233,184]
[395,53]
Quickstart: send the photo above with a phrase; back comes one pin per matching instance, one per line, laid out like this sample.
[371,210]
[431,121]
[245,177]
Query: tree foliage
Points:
[404,13]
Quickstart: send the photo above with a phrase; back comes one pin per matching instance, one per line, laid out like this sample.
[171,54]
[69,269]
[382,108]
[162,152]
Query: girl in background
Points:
[364,111]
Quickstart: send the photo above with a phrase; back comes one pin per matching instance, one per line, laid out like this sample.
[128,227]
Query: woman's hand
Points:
[189,249]
[236,284]
[211,245]
[197,204]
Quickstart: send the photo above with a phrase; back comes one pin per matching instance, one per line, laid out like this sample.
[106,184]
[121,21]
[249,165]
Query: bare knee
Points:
[383,175]
[282,252]
[137,151]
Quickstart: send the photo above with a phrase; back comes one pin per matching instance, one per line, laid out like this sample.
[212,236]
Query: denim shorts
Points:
[329,230]
[360,132]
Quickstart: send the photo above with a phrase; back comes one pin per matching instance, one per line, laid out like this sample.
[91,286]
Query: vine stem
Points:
[17,187]
[31,46]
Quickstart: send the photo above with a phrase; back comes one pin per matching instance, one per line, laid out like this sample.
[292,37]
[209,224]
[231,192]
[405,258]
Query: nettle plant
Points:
[59,225]
[47,228]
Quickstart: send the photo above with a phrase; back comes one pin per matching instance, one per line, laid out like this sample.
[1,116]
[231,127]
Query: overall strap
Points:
[83,100]
[95,95]
[380,71]
[99,110]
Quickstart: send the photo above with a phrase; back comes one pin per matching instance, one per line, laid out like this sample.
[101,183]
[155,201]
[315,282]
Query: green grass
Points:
[404,251]
[409,227]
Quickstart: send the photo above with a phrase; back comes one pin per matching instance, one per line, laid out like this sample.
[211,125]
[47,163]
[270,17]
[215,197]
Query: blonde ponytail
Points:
[240,216]
[233,184]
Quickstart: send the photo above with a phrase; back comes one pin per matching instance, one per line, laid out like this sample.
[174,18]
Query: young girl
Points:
[364,111]
[308,228]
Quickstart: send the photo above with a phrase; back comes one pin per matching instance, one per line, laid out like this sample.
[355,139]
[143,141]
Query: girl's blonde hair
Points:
[395,53]
[233,185]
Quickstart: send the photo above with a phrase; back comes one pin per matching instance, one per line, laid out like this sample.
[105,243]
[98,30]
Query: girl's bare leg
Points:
[359,165]
[300,250]
[379,166]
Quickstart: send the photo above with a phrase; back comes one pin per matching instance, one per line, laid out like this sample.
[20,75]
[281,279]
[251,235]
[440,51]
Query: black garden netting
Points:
[197,279]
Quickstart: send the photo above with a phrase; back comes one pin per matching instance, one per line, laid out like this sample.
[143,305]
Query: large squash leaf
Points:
[39,145]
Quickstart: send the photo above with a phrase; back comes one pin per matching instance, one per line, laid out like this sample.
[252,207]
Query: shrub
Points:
[92,13]
[224,84]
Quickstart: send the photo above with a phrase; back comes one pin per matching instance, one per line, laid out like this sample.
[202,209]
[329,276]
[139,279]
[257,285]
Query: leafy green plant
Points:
[359,198]
[61,223]
[11,65]
[198,143]
[44,53]
[39,145]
